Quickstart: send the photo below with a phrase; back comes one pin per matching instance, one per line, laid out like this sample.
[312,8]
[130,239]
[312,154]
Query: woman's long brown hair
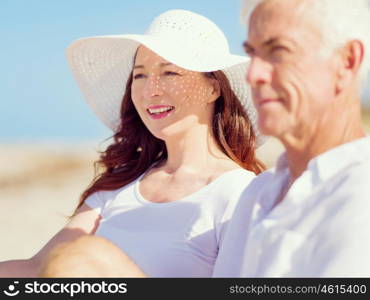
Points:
[135,149]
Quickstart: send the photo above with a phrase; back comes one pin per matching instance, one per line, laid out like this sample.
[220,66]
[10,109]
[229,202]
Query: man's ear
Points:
[215,90]
[351,56]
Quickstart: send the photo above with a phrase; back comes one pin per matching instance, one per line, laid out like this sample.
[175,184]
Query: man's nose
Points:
[259,72]
[153,87]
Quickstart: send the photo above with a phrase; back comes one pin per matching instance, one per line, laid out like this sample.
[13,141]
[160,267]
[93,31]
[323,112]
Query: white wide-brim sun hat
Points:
[102,65]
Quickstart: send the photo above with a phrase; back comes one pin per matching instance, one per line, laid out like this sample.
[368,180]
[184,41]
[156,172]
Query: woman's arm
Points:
[84,222]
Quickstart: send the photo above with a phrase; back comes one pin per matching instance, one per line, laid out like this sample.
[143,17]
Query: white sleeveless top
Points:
[173,239]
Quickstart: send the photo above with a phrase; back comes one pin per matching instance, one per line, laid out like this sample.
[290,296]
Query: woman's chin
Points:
[175,129]
[167,133]
[164,135]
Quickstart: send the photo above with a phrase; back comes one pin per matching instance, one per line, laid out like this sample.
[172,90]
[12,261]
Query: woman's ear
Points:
[215,90]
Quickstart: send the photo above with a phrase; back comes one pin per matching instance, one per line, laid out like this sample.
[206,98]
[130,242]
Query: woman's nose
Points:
[153,87]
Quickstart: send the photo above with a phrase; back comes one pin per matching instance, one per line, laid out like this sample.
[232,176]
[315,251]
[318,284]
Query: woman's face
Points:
[171,100]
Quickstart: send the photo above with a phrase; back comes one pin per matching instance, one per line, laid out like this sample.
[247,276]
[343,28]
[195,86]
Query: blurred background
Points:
[49,137]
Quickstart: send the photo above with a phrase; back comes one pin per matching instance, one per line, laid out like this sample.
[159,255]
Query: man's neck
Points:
[327,134]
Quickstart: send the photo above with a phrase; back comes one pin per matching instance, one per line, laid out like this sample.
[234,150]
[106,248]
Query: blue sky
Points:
[39,98]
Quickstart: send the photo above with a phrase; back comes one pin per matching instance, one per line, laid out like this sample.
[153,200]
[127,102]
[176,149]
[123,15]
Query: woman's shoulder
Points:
[103,197]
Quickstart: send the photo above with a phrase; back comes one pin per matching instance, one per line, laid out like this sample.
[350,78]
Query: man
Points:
[310,216]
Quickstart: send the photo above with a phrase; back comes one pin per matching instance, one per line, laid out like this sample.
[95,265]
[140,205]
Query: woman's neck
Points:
[193,151]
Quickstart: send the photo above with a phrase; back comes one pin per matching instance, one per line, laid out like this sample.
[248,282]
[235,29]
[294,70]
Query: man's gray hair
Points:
[342,21]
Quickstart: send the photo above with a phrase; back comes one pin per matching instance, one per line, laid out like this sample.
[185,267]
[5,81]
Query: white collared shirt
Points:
[320,229]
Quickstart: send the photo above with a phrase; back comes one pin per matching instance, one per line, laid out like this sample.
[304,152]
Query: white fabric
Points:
[320,229]
[175,239]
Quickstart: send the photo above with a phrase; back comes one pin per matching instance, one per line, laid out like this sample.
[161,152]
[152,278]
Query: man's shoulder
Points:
[357,173]
[266,176]
[348,190]
[260,184]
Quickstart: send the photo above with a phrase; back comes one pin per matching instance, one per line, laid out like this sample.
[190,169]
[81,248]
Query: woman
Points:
[183,149]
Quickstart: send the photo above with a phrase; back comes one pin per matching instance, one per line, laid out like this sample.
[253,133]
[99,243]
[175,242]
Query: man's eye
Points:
[278,48]
[138,76]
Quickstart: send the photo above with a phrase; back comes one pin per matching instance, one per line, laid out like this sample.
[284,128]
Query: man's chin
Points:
[269,128]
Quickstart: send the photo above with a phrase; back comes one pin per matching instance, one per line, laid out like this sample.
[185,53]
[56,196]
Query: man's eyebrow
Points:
[138,66]
[250,49]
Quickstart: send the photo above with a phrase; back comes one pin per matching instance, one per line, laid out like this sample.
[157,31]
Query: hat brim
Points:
[102,65]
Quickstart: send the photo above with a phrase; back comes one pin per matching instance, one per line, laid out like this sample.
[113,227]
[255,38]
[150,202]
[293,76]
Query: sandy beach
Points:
[40,185]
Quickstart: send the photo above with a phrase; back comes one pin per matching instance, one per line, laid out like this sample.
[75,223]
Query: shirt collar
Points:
[333,160]
[282,163]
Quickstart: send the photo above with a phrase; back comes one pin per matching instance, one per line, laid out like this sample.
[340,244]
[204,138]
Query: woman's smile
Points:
[160,111]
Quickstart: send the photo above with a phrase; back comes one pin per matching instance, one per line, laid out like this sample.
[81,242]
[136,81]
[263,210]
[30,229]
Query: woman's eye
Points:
[170,73]
[138,76]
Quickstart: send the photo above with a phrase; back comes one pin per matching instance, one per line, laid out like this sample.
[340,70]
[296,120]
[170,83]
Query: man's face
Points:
[292,80]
